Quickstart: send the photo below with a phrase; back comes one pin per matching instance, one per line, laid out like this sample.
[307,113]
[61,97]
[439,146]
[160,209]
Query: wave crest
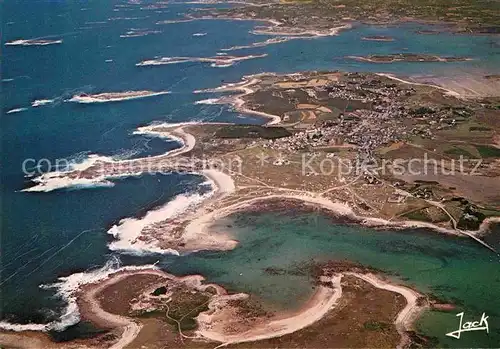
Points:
[67,287]
[129,231]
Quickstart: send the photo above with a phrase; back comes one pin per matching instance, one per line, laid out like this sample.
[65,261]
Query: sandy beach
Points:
[197,231]
[237,101]
[321,302]
[212,324]
[411,311]
[448,91]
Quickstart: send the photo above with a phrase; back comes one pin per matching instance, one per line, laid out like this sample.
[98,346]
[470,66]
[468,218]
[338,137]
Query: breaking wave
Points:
[41,102]
[62,179]
[16,110]
[208,101]
[217,61]
[66,289]
[134,33]
[56,180]
[128,232]
[33,42]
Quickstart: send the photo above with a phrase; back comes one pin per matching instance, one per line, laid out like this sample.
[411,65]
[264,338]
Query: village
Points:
[362,111]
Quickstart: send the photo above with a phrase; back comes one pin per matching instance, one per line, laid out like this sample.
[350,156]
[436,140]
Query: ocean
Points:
[45,236]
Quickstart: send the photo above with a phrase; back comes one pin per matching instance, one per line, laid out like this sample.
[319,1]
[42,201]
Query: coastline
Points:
[237,101]
[185,223]
[286,14]
[196,236]
[318,305]
[408,315]
[212,322]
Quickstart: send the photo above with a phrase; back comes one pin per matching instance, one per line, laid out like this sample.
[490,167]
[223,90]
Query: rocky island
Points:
[113,96]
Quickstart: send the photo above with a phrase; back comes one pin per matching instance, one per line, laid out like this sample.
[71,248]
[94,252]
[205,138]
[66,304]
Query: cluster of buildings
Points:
[387,118]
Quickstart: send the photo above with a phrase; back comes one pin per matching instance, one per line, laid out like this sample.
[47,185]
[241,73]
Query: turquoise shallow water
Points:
[456,270]
[47,235]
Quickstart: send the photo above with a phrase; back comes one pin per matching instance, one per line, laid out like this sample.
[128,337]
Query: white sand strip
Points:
[320,304]
[409,313]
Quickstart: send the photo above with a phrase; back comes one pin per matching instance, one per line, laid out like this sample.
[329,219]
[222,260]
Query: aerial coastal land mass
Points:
[310,116]
[329,117]
[376,150]
[320,15]
[159,309]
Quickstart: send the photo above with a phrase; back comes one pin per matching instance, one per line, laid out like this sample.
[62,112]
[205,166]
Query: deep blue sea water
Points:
[46,235]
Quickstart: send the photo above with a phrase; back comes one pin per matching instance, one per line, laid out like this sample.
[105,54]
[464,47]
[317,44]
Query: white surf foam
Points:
[42,102]
[217,61]
[60,179]
[134,33]
[208,101]
[4,325]
[164,61]
[128,232]
[57,180]
[82,163]
[67,287]
[16,110]
[48,183]
[170,21]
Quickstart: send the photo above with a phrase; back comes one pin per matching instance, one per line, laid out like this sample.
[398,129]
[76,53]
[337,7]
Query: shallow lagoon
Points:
[457,270]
